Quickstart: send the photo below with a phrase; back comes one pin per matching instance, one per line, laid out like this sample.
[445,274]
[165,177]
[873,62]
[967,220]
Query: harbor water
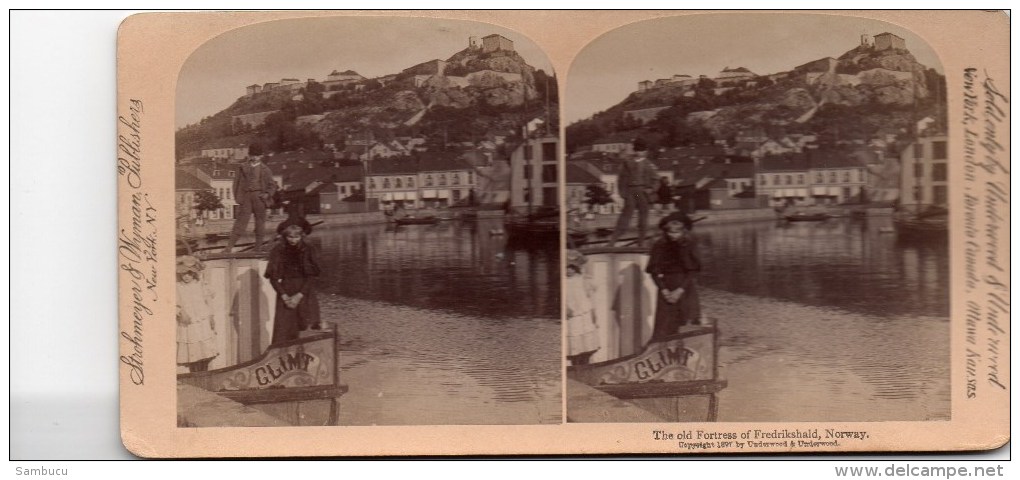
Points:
[828,321]
[443,324]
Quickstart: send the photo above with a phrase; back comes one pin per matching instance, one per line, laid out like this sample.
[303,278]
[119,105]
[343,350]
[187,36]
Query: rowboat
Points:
[806,217]
[409,220]
[631,377]
[297,381]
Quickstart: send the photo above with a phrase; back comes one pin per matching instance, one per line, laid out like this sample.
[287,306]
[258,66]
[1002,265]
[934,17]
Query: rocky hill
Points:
[863,92]
[458,99]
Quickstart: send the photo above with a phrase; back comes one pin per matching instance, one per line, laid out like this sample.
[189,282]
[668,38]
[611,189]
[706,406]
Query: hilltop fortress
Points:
[491,45]
[730,77]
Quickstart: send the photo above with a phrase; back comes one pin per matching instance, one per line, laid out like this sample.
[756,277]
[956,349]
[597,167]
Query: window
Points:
[549,196]
[398,183]
[789,179]
[428,180]
[549,174]
[230,193]
[763,179]
[940,194]
[819,178]
[371,183]
[386,182]
[528,154]
[832,177]
[471,177]
[938,172]
[846,176]
[918,170]
[456,195]
[410,182]
[860,175]
[527,172]
[442,179]
[343,189]
[938,150]
[456,178]
[918,150]
[800,179]
[548,151]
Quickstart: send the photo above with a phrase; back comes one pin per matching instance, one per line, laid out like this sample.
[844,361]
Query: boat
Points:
[411,220]
[932,224]
[540,226]
[296,381]
[806,217]
[631,378]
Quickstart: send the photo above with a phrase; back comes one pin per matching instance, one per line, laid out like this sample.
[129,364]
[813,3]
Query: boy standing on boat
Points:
[637,181]
[253,189]
[293,263]
[674,265]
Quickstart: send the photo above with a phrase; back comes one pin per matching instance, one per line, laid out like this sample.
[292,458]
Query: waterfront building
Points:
[578,178]
[533,173]
[924,174]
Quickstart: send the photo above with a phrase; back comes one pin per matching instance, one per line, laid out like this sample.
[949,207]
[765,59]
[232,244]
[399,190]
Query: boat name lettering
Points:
[648,367]
[271,371]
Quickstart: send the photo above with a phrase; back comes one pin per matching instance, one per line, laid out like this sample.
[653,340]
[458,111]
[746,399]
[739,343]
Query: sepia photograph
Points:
[430,233]
[367,226]
[758,223]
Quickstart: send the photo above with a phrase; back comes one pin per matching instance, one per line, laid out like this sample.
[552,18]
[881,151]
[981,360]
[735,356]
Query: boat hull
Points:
[673,379]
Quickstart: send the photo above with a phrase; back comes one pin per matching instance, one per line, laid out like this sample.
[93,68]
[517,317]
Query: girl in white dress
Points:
[582,331]
[196,337]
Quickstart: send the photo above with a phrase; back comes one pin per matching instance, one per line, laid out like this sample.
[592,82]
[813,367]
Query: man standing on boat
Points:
[253,189]
[637,182]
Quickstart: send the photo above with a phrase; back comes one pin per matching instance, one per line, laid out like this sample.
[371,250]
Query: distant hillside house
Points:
[644,85]
[253,89]
[253,119]
[344,76]
[225,151]
[494,42]
[886,41]
[730,76]
[614,144]
[644,115]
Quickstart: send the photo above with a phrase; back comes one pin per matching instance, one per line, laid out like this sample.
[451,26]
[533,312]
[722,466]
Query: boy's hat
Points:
[188,263]
[299,221]
[576,259]
[676,217]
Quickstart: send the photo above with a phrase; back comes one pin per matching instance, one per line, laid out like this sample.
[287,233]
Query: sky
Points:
[610,67]
[217,73]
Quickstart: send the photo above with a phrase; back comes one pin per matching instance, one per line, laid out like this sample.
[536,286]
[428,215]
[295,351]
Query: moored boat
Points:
[673,379]
[806,217]
[296,381]
[410,220]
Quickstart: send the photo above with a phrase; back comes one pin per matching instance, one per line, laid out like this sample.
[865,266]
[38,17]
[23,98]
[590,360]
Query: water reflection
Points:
[456,266]
[846,263]
[828,321]
[443,324]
